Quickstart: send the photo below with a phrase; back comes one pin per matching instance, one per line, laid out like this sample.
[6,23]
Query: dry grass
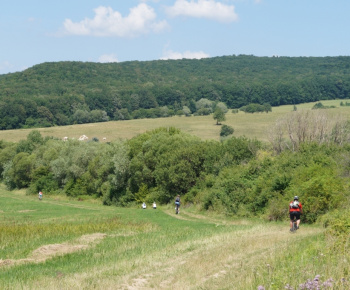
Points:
[48,251]
[223,261]
[193,250]
[250,125]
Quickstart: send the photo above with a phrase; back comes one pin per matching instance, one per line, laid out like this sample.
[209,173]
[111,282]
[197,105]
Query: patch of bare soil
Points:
[26,210]
[48,251]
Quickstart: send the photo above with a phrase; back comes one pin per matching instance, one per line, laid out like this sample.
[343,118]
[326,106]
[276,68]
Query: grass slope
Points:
[62,244]
[249,125]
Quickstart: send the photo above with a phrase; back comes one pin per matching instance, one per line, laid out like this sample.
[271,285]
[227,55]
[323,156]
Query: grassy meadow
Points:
[250,125]
[59,243]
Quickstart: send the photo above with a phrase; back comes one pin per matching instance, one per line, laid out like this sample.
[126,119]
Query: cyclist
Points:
[295,210]
[177,204]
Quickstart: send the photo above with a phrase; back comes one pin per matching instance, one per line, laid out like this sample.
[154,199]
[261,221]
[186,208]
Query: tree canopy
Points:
[61,93]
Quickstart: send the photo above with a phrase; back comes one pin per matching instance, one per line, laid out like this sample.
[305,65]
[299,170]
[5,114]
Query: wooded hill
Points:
[63,93]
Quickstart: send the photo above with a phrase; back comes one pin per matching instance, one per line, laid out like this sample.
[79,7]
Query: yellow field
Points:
[250,125]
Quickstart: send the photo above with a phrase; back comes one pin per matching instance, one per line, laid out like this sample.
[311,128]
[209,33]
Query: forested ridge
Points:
[63,93]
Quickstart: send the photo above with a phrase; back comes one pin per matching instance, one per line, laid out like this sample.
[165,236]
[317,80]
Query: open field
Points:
[250,125]
[59,243]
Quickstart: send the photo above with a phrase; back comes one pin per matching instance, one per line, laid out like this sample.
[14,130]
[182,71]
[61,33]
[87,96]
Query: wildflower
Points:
[261,288]
[314,284]
[328,283]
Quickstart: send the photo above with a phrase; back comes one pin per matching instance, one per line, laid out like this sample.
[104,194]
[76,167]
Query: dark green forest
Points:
[63,93]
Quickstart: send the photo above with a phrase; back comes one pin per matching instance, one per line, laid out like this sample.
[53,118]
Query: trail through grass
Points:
[63,244]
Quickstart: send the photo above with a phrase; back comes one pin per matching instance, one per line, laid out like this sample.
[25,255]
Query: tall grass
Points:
[153,248]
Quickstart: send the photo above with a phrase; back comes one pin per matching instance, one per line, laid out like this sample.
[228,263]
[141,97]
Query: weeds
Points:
[151,248]
[315,283]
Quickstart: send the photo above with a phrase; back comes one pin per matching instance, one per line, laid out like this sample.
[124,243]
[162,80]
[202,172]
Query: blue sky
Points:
[37,31]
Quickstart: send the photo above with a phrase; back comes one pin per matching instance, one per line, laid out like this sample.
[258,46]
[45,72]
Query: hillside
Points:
[204,127]
[65,93]
[66,244]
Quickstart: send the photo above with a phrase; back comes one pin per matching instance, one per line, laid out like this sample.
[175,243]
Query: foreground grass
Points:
[64,244]
[249,125]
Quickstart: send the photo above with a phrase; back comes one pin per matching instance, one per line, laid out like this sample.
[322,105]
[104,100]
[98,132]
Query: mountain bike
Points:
[294,226]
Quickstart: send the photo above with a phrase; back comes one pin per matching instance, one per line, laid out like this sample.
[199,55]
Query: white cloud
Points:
[209,9]
[6,67]
[107,22]
[169,54]
[108,58]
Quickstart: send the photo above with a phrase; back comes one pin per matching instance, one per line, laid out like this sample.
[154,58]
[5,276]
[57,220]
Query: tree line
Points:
[65,93]
[235,176]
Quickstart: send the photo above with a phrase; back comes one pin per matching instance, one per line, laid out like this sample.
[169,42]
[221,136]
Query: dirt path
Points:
[185,215]
[214,262]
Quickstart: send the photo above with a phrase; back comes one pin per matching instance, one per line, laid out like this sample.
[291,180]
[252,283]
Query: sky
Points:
[38,31]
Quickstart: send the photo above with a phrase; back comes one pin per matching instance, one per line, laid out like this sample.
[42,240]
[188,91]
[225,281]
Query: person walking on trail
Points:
[177,204]
[295,210]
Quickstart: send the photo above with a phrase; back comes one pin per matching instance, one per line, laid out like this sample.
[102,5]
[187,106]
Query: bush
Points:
[256,108]
[319,189]
[75,188]
[46,184]
[226,131]
[337,224]
[277,209]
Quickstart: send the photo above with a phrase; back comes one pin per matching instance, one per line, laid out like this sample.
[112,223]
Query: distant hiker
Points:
[40,195]
[177,204]
[143,205]
[295,210]
[154,205]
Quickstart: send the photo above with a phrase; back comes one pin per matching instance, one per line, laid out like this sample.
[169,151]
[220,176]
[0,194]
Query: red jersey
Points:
[291,208]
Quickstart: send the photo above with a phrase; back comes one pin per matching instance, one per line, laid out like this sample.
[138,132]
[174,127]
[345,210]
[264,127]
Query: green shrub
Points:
[337,224]
[320,189]
[277,209]
[46,184]
[226,130]
[75,188]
